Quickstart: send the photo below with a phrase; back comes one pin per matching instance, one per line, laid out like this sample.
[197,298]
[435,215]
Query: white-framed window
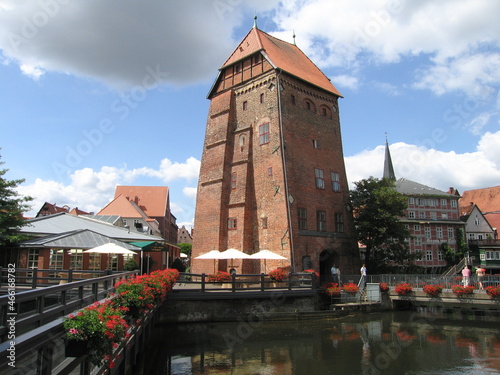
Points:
[263,134]
[427,232]
[321,220]
[439,232]
[231,223]
[440,255]
[416,227]
[418,241]
[444,215]
[320,180]
[411,200]
[454,203]
[56,260]
[411,214]
[421,214]
[451,233]
[444,202]
[428,255]
[335,181]
[76,259]
[433,215]
[339,223]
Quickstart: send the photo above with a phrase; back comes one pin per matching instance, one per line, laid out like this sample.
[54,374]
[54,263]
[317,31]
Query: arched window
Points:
[309,105]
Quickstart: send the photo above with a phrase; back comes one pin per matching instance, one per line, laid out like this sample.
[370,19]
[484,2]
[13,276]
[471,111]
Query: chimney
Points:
[136,200]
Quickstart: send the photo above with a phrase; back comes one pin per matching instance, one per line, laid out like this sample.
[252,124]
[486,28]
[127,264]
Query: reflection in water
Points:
[390,343]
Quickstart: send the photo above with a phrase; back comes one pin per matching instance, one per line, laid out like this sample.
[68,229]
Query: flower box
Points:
[462,291]
[432,290]
[404,289]
[75,348]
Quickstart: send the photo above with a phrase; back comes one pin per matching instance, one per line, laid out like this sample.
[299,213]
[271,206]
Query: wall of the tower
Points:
[318,188]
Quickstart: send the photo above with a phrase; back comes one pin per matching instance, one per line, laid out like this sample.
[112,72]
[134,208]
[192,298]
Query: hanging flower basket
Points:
[384,287]
[404,289]
[493,291]
[462,291]
[432,290]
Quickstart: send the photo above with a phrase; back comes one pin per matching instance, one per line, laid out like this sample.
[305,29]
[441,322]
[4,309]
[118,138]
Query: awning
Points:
[150,246]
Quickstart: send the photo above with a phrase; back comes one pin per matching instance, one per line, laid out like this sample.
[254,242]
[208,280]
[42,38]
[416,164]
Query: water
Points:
[390,343]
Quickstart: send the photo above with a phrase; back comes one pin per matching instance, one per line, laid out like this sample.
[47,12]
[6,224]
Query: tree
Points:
[186,248]
[377,207]
[12,207]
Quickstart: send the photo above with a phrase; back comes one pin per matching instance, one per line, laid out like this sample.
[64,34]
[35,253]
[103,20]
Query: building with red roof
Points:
[272,173]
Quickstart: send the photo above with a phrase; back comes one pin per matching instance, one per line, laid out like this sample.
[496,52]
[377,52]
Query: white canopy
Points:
[110,248]
[266,254]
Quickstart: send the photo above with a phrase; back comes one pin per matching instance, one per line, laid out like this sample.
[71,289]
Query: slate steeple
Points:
[388,168]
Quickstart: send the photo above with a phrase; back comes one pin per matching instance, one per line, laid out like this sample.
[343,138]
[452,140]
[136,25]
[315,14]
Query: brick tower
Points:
[272,171]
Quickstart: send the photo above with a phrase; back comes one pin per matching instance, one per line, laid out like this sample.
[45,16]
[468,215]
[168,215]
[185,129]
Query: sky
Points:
[95,94]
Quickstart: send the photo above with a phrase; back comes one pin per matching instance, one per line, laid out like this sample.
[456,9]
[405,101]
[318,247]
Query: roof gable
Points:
[282,55]
[153,200]
[121,206]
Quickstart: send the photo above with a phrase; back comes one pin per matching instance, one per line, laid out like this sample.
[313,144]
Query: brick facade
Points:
[267,133]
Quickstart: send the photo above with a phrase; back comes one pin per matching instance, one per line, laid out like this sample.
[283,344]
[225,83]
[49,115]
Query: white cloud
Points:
[91,190]
[434,168]
[117,42]
[345,80]
[458,38]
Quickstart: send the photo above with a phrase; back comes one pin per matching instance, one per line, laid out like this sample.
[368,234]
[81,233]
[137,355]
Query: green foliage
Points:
[130,265]
[12,207]
[178,265]
[377,207]
[186,248]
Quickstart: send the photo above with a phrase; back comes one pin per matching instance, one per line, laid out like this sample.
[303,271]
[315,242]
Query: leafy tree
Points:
[12,207]
[186,248]
[377,207]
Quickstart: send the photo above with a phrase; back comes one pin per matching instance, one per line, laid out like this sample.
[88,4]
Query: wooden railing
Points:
[23,311]
[190,282]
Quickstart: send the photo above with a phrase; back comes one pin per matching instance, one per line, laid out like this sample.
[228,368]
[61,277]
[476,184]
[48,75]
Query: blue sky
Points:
[97,94]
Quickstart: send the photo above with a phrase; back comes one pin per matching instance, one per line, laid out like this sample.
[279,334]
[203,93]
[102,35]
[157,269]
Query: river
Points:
[391,343]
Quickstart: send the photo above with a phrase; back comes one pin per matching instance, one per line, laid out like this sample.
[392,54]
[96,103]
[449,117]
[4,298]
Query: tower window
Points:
[264,134]
[302,214]
[264,222]
[262,98]
[339,223]
[292,99]
[325,111]
[315,143]
[335,181]
[245,105]
[270,171]
[233,180]
[231,223]
[321,220]
[309,105]
[320,180]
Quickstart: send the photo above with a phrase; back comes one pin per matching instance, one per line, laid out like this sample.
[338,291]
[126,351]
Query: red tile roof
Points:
[121,206]
[487,199]
[282,55]
[494,220]
[153,200]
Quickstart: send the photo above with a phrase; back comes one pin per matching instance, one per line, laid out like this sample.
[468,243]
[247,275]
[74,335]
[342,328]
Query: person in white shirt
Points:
[362,280]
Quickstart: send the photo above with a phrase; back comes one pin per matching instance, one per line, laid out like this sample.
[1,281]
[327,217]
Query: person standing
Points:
[362,280]
[480,275]
[466,276]
[335,274]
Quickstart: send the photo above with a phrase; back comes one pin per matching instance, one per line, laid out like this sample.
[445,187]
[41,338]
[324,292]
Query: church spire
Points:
[388,168]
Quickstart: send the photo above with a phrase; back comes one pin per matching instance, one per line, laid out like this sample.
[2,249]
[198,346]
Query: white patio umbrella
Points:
[110,248]
[267,254]
[212,254]
[233,254]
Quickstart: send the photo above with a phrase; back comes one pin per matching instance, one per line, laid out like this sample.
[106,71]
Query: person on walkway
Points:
[466,276]
[362,280]
[335,274]
[480,272]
